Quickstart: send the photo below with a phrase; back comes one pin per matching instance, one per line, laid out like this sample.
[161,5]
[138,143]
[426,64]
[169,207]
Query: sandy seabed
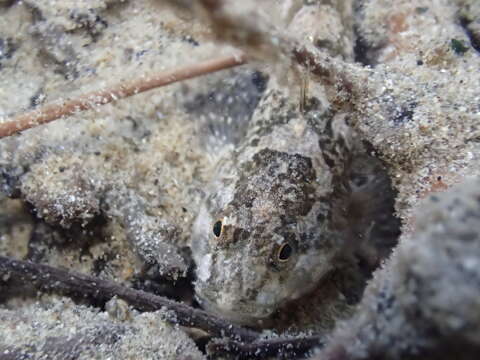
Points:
[65,187]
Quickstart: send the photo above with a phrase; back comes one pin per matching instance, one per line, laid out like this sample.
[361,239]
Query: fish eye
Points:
[284,252]
[217,228]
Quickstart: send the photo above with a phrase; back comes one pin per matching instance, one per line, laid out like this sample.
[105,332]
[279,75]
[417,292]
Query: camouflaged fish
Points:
[295,196]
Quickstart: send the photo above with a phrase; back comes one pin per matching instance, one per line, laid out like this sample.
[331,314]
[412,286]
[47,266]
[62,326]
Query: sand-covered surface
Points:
[113,192]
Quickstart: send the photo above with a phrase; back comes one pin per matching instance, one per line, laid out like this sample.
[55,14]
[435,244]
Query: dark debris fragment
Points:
[458,46]
[404,114]
[90,21]
[7,48]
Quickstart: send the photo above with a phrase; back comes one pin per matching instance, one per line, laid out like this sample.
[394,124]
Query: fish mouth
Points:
[242,314]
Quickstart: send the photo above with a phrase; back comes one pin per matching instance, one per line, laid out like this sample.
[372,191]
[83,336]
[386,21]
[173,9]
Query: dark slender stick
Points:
[279,347]
[50,278]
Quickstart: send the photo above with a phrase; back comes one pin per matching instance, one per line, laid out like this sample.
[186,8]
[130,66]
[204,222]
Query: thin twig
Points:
[50,278]
[259,38]
[63,108]
[339,78]
[280,347]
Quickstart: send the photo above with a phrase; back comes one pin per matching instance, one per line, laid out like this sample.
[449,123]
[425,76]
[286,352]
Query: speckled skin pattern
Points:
[274,221]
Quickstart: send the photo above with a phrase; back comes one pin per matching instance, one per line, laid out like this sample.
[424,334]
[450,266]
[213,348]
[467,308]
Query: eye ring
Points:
[284,252]
[217,228]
